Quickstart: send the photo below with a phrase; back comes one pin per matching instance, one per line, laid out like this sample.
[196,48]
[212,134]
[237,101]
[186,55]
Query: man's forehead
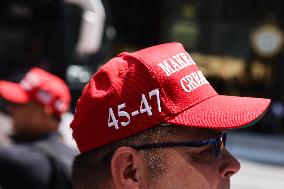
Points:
[191,133]
[205,132]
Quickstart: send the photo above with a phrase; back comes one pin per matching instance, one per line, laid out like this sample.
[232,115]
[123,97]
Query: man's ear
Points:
[128,168]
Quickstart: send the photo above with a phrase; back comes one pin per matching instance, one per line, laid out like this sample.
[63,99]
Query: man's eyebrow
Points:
[209,133]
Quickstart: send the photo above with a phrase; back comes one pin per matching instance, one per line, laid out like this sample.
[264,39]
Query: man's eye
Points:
[204,154]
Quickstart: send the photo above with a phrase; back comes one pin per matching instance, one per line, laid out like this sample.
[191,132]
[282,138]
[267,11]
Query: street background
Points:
[237,44]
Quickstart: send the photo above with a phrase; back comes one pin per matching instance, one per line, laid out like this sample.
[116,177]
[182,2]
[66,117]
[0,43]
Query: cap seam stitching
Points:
[151,71]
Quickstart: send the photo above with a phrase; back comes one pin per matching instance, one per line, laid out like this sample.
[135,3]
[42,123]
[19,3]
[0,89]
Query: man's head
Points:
[117,124]
[121,165]
[36,103]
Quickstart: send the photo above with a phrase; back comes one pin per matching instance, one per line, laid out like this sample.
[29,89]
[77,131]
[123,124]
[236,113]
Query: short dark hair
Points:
[93,168]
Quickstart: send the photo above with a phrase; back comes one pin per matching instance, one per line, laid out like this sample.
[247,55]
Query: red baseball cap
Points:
[40,86]
[136,91]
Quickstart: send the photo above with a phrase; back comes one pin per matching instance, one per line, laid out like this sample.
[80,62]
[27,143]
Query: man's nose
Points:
[229,166]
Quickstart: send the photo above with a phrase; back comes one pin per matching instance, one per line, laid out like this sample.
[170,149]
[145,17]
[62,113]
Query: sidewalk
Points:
[262,161]
[258,176]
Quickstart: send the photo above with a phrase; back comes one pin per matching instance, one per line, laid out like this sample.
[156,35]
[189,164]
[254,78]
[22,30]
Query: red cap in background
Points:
[40,86]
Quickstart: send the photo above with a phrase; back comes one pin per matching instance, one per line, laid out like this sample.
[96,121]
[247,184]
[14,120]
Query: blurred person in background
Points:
[5,125]
[151,120]
[37,156]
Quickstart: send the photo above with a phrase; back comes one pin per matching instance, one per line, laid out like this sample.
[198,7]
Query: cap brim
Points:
[13,92]
[223,112]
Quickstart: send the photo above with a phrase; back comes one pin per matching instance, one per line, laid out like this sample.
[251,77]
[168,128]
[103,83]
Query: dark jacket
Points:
[41,163]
